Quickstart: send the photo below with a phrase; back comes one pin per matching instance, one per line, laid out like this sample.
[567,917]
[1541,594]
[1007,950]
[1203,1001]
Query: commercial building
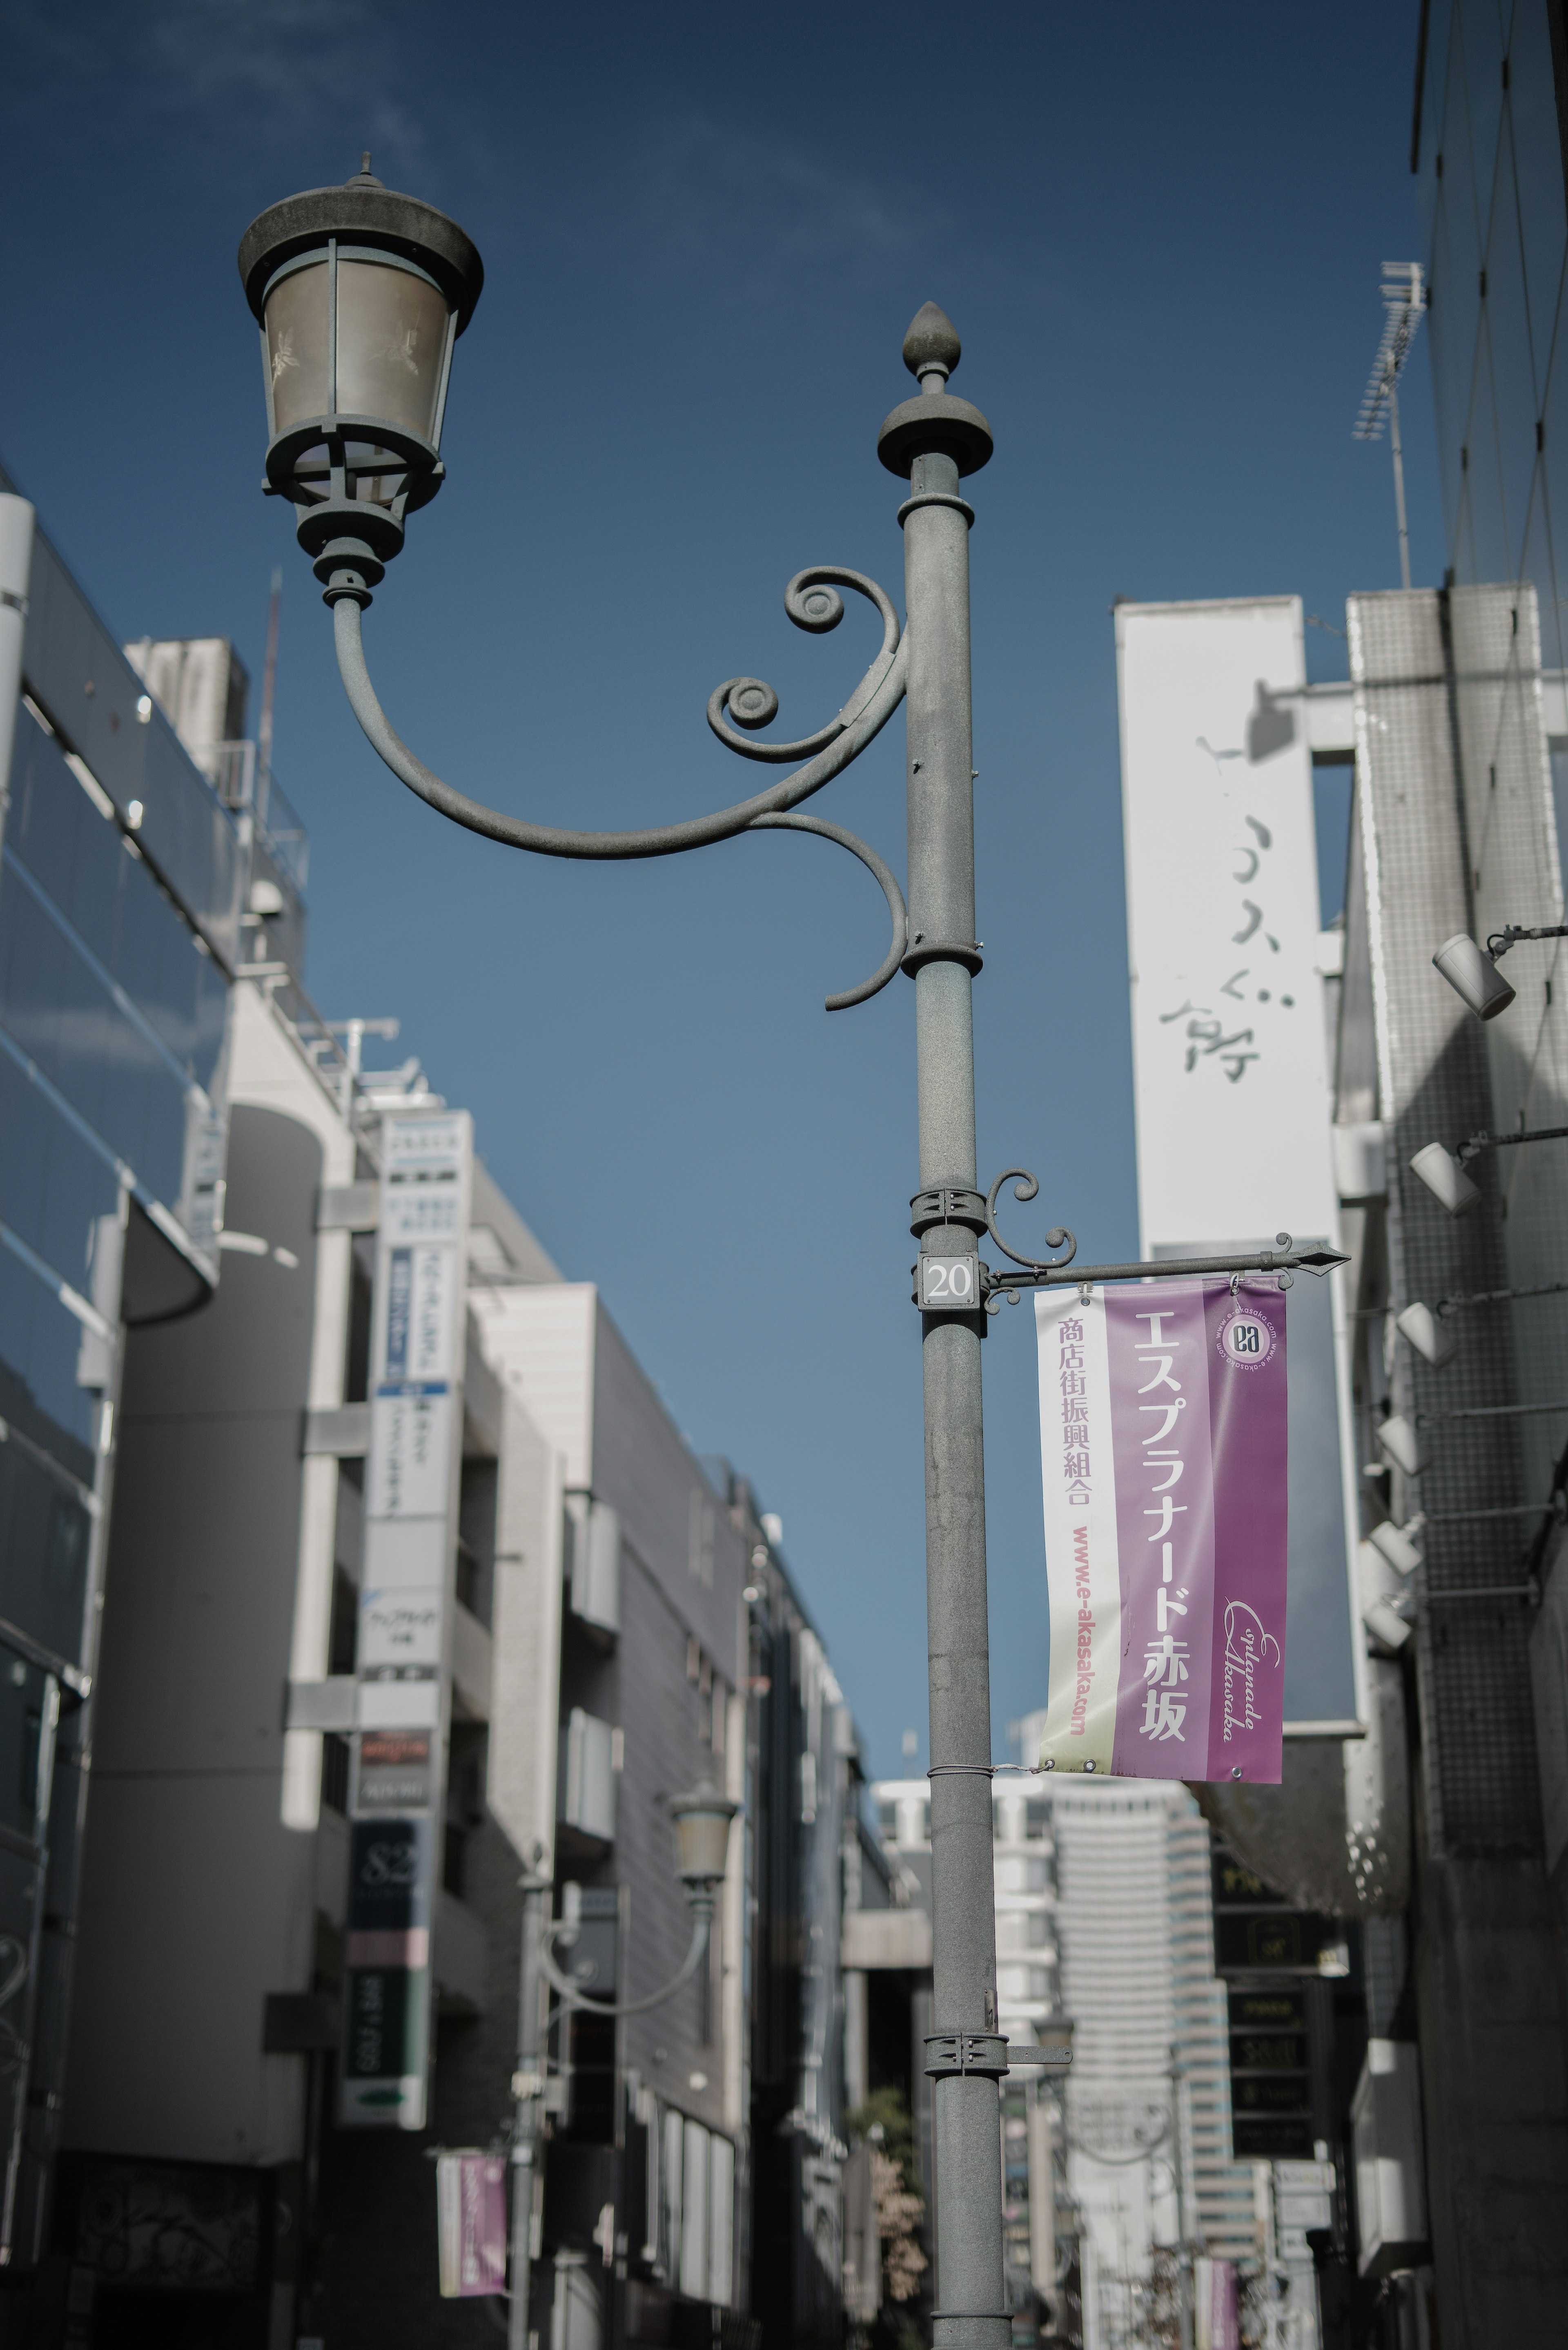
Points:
[1437,1815]
[123,888]
[1423,1818]
[381,1546]
[1453,830]
[592,1648]
[1488,152]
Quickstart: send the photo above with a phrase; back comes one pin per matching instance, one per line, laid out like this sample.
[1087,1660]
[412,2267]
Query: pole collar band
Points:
[936,498]
[980,2053]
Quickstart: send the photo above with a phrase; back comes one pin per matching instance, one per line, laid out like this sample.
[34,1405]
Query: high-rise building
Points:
[1104,1914]
[1148,2099]
[1038,2250]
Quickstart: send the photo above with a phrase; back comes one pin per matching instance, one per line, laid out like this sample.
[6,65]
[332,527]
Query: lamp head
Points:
[1432,1340]
[360,295]
[1443,1176]
[1474,976]
[701,1820]
[1398,1442]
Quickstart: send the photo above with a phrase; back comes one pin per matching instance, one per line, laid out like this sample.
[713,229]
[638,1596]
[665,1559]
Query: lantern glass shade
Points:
[390,345]
[702,1834]
[298,347]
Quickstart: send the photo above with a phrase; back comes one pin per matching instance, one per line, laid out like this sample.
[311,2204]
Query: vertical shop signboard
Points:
[411,1512]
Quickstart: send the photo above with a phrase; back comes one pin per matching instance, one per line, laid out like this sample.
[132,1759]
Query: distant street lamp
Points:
[702,1821]
[360,295]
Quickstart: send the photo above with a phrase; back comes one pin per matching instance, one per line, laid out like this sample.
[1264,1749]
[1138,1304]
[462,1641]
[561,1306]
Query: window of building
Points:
[343,1637]
[334,1753]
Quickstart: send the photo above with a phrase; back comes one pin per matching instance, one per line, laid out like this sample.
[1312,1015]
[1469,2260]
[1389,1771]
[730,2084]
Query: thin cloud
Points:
[240,74]
[697,195]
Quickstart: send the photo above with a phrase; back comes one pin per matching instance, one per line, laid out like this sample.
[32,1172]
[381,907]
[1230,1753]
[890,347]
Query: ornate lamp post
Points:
[360,295]
[702,1821]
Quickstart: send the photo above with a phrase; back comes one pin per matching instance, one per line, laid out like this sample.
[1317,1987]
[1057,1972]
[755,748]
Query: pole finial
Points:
[364,176]
[932,346]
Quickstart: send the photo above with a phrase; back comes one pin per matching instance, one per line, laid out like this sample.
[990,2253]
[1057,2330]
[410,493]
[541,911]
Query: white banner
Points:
[1230,1059]
[1081,1555]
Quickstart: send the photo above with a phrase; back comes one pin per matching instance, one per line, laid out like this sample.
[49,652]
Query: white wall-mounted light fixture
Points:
[1474,976]
[1431,1339]
[1399,1441]
[1394,1544]
[1386,1605]
[1473,972]
[1446,1180]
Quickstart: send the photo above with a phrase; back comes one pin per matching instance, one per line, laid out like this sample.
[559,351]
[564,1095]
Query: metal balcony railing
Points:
[240,782]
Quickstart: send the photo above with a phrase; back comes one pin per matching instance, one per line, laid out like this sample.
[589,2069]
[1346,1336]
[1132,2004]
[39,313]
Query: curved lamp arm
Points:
[862,718]
[700,1928]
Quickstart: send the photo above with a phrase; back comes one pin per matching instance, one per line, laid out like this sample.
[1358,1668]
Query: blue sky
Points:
[1160,233]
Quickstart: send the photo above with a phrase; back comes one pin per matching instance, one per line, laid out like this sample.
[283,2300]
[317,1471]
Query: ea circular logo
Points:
[1246,1340]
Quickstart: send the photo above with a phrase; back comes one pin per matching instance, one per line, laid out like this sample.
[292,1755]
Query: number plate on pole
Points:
[949,1284]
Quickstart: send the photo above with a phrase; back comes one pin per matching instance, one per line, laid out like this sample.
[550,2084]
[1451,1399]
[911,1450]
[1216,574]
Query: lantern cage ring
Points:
[322,465]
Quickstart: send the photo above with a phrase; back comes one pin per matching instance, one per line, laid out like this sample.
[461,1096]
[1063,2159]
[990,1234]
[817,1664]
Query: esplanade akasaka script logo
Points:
[1247,1646]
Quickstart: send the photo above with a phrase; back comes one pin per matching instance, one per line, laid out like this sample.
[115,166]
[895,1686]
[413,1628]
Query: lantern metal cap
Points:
[363,212]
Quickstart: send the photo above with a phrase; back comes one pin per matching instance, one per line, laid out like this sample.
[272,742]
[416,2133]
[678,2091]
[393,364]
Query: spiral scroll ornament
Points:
[812,602]
[1024,1187]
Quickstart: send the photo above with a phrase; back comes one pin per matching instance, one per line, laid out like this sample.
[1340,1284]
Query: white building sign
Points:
[412,1492]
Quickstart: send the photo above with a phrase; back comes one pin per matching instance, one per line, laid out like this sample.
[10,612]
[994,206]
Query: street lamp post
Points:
[702,1821]
[360,295]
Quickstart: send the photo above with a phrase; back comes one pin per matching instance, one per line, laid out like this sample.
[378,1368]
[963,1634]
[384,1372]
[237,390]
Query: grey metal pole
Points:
[965,2056]
[529,2088]
[1184,2269]
[1399,486]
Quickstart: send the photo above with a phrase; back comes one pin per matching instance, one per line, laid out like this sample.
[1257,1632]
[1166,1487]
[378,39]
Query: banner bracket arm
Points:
[1283,1259]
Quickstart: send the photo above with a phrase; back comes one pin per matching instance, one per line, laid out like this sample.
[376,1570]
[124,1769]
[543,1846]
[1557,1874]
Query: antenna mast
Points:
[269,692]
[1404,301]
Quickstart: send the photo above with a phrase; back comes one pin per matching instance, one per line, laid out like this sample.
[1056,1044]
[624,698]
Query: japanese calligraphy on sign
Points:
[1223,915]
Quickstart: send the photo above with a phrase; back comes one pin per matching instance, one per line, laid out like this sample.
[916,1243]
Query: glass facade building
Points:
[122,880]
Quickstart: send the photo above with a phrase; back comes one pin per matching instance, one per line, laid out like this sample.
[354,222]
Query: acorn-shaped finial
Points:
[931,343]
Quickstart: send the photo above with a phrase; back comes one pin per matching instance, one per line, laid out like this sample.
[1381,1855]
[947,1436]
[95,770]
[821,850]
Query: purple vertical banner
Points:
[471,2201]
[1197,1409]
[1216,2317]
[1247,1395]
